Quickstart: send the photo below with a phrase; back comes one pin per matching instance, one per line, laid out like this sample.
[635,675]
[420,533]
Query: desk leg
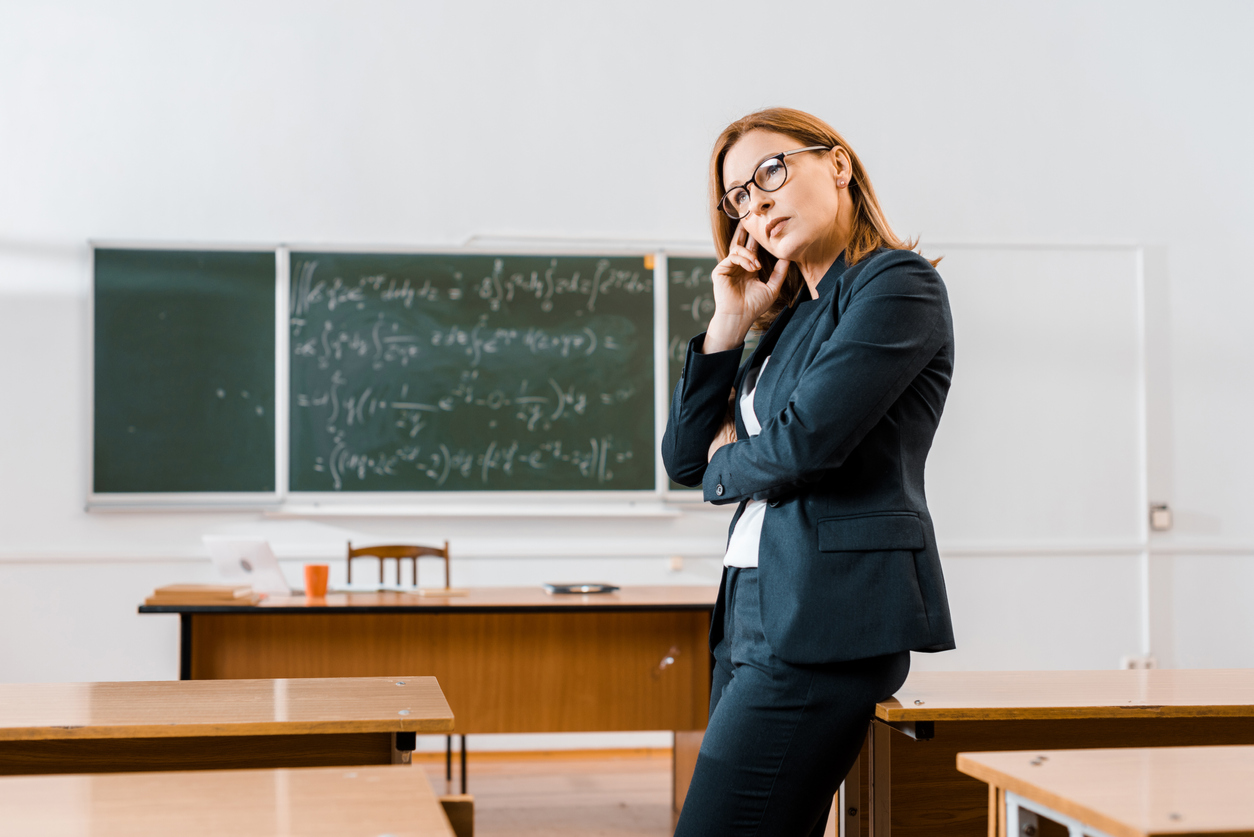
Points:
[849,803]
[403,746]
[185,646]
[1020,816]
[683,763]
[880,780]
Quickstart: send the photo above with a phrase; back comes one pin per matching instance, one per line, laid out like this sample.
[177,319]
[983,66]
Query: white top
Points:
[742,547]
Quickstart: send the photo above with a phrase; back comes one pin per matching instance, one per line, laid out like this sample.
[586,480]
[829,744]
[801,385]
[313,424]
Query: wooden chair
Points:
[399,552]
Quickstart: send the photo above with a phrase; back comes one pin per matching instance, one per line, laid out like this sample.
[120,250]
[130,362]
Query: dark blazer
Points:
[848,406]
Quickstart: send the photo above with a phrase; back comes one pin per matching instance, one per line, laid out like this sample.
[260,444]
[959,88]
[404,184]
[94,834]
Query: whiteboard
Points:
[1042,440]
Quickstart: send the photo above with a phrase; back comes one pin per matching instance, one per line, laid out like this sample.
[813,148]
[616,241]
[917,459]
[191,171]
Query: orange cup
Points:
[316,580]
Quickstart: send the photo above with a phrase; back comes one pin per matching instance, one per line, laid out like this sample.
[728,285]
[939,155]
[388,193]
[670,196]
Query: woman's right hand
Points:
[740,296]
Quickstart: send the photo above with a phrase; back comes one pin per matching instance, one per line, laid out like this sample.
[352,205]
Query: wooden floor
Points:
[608,793]
[604,793]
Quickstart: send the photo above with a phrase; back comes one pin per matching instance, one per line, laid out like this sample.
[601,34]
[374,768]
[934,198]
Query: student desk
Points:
[1151,792]
[908,784]
[508,659]
[173,725]
[344,802]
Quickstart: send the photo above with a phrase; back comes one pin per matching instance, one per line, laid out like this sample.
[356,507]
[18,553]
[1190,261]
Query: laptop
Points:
[248,561]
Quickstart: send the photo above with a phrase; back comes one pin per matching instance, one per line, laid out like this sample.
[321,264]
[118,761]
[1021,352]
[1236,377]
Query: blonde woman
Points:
[831,576]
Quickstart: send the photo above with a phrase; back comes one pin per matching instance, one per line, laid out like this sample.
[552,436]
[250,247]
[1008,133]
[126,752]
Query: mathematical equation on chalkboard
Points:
[443,372]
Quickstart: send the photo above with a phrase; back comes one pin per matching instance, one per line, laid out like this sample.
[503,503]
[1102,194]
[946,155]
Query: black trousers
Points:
[781,737]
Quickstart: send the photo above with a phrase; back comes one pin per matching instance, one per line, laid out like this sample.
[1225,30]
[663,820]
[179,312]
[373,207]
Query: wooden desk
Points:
[366,801]
[173,725]
[1151,792]
[508,659]
[907,782]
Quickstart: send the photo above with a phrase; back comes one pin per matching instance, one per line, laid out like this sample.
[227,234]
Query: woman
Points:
[831,575]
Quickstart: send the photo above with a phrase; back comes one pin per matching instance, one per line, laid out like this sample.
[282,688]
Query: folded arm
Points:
[893,326]
[698,410]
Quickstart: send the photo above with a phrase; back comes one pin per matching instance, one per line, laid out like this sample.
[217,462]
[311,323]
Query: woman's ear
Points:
[841,167]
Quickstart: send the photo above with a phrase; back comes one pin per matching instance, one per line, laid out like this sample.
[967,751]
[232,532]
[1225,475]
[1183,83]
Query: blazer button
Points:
[718,489]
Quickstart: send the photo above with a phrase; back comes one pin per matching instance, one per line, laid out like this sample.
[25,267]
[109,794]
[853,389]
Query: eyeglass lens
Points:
[769,176]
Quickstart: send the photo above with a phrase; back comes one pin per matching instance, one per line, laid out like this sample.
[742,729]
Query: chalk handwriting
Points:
[442,380]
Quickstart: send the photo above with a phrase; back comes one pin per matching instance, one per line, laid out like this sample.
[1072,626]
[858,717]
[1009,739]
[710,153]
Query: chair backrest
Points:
[400,552]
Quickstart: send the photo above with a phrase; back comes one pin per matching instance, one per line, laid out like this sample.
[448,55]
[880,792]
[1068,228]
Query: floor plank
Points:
[608,793]
[604,793]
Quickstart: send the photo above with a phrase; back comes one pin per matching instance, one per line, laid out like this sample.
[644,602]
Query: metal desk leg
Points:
[403,746]
[463,764]
[185,646]
[1022,819]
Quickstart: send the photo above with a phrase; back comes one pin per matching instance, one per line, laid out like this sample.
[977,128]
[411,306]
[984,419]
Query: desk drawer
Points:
[508,671]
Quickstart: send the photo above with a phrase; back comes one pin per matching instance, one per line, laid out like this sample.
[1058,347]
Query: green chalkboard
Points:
[184,371]
[433,372]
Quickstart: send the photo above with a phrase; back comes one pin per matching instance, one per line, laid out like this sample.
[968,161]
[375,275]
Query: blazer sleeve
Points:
[895,323]
[698,408]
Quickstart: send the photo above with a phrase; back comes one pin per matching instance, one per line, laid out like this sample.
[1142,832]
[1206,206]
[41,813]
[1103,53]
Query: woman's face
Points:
[808,212]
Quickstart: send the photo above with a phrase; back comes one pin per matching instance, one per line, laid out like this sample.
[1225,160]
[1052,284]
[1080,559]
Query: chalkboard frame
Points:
[284,502]
[189,500]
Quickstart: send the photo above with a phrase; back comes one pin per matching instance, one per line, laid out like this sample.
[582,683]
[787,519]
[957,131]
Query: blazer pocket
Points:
[879,532]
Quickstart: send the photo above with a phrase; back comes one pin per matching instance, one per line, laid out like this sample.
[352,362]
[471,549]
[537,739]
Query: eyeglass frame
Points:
[753,179]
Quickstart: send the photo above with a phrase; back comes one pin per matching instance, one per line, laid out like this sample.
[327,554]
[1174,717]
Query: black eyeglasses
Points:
[770,174]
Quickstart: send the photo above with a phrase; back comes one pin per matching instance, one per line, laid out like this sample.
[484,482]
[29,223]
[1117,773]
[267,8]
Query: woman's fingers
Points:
[780,271]
[751,244]
[744,253]
[777,277]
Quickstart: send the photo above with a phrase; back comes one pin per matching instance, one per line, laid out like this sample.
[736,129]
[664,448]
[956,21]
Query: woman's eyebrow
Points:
[756,166]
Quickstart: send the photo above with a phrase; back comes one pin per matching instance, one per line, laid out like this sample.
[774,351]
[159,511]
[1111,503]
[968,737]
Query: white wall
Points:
[425,123]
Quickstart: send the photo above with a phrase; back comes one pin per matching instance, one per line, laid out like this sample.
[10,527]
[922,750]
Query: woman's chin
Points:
[781,250]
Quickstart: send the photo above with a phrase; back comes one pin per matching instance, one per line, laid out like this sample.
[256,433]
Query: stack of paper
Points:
[203,594]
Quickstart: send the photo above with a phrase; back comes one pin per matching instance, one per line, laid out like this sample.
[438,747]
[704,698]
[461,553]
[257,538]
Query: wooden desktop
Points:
[1130,792]
[908,785]
[309,801]
[173,725]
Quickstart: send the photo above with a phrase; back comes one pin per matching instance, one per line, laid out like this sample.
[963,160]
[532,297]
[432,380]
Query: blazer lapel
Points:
[766,345]
[785,349]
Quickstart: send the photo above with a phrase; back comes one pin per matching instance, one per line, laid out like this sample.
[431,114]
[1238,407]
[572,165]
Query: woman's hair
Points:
[870,227]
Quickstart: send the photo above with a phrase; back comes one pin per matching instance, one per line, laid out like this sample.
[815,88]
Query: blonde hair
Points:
[870,228]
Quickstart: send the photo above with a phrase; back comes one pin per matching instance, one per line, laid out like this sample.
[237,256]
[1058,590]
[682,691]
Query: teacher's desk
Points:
[508,659]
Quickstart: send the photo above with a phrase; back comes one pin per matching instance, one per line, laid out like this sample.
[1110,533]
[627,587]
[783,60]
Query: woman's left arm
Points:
[896,321]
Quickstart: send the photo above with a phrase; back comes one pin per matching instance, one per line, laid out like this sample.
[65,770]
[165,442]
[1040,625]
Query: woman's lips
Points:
[773,228]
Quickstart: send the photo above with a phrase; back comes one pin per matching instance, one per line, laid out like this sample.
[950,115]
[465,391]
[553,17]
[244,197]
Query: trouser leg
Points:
[780,737]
